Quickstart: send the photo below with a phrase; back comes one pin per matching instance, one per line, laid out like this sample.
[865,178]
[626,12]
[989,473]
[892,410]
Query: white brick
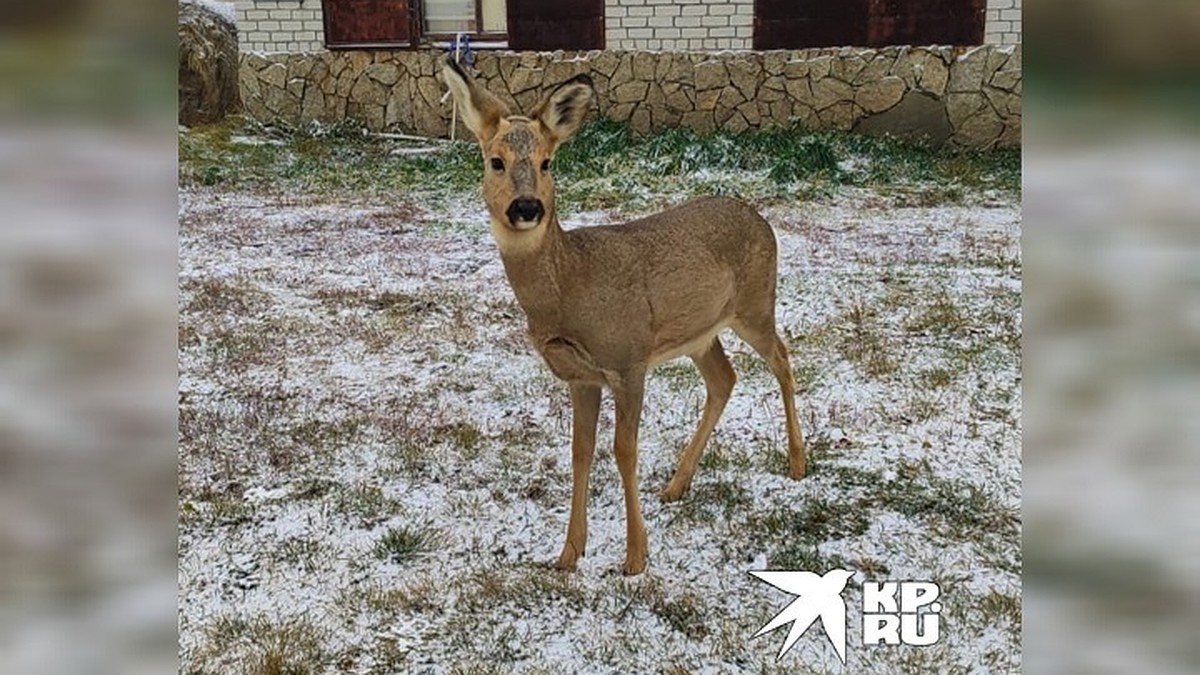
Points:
[741,20]
[256,14]
[695,10]
[1010,15]
[710,43]
[654,44]
[639,33]
[268,25]
[714,20]
[314,25]
[744,31]
[633,22]
[1012,38]
[694,33]
[725,43]
[280,14]
[661,21]
[725,9]
[999,4]
[992,15]
[306,36]
[614,34]
[721,32]
[999,27]
[687,21]
[667,33]
[667,10]
[292,25]
[641,11]
[746,9]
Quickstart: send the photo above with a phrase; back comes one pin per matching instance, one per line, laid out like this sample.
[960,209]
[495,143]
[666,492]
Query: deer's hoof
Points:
[568,558]
[796,470]
[634,567]
[673,492]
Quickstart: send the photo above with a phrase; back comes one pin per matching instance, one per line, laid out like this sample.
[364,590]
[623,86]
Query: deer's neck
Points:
[533,264]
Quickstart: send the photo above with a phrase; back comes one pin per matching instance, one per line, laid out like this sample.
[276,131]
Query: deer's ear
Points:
[481,110]
[563,110]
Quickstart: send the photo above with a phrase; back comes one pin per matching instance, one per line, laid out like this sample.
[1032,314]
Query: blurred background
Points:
[1111,350]
[88,361]
[87,336]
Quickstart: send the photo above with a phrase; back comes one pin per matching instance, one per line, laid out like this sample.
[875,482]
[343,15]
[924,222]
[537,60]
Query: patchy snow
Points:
[334,352]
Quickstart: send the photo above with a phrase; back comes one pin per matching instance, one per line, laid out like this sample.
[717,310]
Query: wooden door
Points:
[366,23]
[546,25]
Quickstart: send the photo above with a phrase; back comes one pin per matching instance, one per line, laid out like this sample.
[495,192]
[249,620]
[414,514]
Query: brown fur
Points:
[606,304]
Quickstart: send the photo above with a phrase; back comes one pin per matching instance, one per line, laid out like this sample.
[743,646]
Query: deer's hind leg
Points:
[718,380]
[761,335]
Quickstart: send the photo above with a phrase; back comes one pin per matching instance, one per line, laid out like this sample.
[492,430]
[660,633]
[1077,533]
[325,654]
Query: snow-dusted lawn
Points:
[375,466]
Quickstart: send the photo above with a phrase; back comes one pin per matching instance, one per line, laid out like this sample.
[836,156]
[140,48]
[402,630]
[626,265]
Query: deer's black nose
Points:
[528,210]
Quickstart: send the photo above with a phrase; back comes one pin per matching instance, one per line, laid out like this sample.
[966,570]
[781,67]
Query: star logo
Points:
[817,597]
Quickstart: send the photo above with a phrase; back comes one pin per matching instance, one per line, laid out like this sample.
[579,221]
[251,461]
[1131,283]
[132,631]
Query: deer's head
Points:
[517,149]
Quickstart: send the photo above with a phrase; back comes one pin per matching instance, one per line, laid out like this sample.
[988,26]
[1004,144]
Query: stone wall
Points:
[679,26]
[968,97]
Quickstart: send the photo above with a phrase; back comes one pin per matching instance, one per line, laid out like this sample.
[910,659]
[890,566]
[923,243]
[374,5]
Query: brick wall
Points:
[1003,23]
[280,25]
[679,25]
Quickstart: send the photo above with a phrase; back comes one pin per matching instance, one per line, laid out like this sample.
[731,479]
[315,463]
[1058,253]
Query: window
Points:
[527,24]
[477,17]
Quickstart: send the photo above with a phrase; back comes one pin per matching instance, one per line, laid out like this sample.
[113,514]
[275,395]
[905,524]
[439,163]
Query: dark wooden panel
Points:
[925,22]
[354,23]
[545,25]
[793,24]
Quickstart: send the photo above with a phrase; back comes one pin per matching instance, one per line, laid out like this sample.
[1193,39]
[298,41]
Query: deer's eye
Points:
[545,165]
[497,164]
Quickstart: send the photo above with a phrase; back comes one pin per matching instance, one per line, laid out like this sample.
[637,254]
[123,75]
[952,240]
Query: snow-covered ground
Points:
[375,466]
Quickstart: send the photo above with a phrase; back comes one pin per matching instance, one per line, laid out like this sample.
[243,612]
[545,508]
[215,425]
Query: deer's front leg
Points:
[628,397]
[585,411]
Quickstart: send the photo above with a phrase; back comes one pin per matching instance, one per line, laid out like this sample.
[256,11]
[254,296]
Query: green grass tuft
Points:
[404,543]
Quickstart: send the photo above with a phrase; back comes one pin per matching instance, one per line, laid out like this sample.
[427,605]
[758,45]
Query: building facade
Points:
[658,25]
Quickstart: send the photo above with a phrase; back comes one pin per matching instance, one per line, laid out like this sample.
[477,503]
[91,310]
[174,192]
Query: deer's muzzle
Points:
[524,213]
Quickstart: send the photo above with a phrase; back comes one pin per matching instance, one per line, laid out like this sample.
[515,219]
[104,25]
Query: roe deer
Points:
[606,304]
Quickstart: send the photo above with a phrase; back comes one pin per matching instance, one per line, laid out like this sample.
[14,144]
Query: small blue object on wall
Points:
[461,44]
